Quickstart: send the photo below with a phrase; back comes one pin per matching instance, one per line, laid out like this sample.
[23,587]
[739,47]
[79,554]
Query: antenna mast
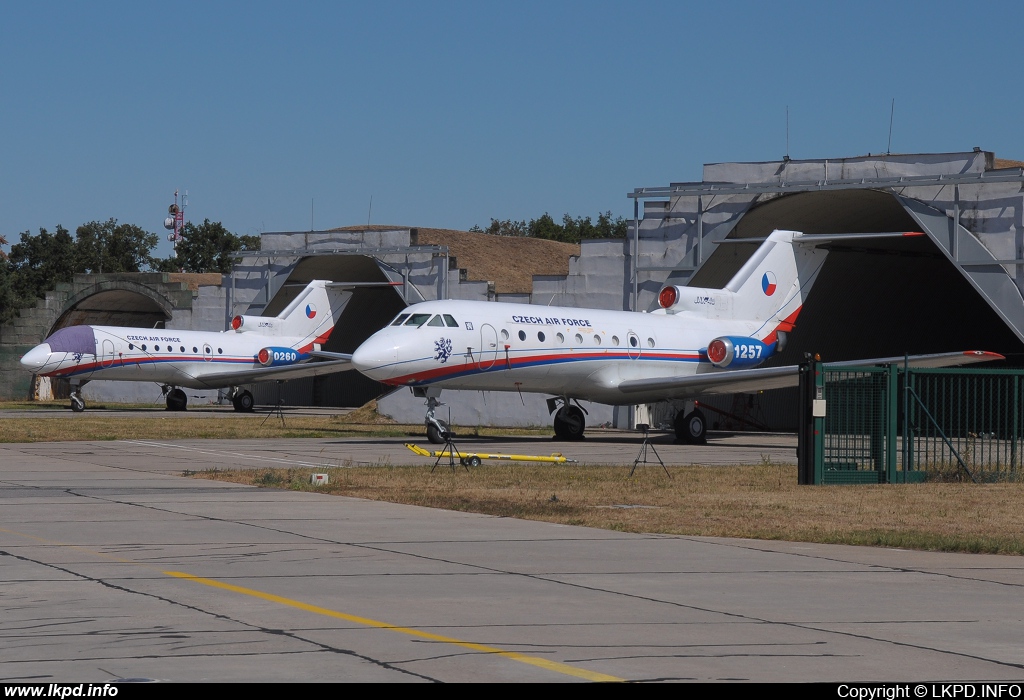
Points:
[175,220]
[892,110]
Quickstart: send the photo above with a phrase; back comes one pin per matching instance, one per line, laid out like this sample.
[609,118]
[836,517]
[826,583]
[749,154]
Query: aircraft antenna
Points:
[892,110]
[787,132]
[311,227]
[369,211]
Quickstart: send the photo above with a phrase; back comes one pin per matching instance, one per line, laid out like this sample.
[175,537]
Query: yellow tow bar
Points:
[473,459]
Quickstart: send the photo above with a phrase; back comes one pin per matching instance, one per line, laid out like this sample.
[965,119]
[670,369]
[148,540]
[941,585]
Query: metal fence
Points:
[895,425]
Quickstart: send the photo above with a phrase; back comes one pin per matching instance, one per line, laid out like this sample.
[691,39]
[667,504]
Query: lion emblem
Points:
[442,350]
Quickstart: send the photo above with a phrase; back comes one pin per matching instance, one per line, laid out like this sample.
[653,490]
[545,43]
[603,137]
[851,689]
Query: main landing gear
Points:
[570,421]
[691,428]
[242,401]
[177,400]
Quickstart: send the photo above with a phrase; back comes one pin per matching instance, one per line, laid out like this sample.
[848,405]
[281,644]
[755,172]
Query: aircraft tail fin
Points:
[312,315]
[771,287]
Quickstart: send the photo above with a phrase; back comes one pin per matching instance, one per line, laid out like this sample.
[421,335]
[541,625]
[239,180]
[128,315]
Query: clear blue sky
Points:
[450,113]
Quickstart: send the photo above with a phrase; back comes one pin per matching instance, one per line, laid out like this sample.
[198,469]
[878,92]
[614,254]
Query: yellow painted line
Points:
[514,656]
[522,658]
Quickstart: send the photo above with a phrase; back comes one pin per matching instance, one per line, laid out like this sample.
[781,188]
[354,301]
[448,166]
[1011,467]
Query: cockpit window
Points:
[450,321]
[398,321]
[436,321]
[417,320]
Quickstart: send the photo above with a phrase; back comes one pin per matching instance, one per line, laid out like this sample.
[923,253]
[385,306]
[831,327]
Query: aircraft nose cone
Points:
[375,359]
[35,359]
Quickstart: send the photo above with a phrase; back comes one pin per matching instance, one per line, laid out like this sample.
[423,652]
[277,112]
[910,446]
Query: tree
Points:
[507,228]
[8,299]
[571,230]
[545,227]
[38,263]
[113,247]
[208,248]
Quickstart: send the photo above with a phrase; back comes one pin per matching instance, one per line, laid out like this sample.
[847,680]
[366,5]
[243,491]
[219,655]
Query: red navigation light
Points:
[667,297]
[236,323]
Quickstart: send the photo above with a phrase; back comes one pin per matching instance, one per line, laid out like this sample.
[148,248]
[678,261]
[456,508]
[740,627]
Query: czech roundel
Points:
[311,310]
[768,283]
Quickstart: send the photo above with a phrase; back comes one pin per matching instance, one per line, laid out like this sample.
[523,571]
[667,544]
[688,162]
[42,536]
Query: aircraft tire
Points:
[77,403]
[177,400]
[570,423]
[691,428]
[473,461]
[435,435]
[243,403]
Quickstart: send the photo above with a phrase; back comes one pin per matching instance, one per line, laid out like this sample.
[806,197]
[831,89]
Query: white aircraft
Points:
[701,341]
[257,348]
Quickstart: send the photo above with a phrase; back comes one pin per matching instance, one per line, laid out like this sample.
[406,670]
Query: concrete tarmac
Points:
[115,566]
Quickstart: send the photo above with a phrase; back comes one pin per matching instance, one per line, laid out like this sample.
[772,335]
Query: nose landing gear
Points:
[77,402]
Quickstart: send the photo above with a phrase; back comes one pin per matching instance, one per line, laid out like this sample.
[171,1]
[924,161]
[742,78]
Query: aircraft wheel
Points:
[177,400]
[570,423]
[243,402]
[691,428]
[435,435]
[77,403]
[473,461]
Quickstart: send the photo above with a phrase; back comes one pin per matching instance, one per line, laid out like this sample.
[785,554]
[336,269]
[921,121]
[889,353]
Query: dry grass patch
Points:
[154,423]
[759,502]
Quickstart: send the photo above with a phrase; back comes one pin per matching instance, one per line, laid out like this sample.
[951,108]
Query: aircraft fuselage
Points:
[575,353]
[179,358]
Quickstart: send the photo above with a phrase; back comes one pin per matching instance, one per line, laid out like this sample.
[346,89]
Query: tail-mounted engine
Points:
[242,324]
[738,352]
[273,357]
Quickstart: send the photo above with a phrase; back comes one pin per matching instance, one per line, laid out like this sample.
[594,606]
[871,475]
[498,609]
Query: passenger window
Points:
[398,321]
[561,338]
[615,340]
[504,334]
[650,342]
[436,321]
[522,335]
[182,348]
[417,320]
[633,341]
[579,339]
[195,350]
[450,321]
[540,336]
[143,347]
[156,348]
[130,346]
[597,339]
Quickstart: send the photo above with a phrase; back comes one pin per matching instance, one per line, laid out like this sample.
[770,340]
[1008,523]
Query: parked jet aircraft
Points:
[701,341]
[257,348]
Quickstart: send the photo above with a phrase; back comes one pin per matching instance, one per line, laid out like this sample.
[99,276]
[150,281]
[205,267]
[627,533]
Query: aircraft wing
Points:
[265,374]
[741,381]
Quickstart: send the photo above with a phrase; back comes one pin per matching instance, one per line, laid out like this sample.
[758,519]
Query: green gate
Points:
[871,425]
